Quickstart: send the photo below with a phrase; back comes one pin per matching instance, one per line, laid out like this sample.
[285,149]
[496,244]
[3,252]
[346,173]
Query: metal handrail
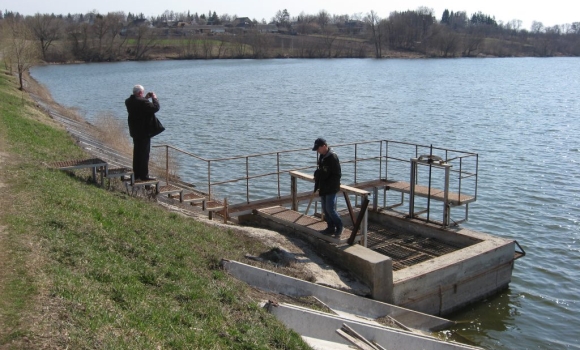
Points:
[388,151]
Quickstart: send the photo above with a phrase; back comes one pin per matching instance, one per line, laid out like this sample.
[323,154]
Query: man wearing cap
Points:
[328,177]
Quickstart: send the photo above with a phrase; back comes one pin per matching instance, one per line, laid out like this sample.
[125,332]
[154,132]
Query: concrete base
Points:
[371,268]
[439,286]
[447,283]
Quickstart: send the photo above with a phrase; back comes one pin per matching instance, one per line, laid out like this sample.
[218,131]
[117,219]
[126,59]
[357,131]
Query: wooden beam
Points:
[361,214]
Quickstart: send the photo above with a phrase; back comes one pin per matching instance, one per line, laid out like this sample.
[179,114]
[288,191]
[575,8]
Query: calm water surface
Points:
[521,115]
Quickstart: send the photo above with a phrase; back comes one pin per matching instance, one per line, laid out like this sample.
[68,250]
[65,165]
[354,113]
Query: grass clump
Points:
[85,268]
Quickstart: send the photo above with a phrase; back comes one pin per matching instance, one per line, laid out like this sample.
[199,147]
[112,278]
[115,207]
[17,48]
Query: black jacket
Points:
[141,116]
[329,173]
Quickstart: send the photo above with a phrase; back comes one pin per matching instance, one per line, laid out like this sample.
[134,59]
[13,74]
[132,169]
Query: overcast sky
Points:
[550,13]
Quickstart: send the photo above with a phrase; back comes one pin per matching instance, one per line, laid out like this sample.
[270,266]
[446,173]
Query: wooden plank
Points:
[343,188]
[358,344]
[359,219]
[355,338]
[303,176]
[436,194]
[354,190]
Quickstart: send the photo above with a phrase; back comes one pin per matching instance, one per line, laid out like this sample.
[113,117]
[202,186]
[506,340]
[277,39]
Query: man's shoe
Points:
[327,231]
[149,178]
[339,231]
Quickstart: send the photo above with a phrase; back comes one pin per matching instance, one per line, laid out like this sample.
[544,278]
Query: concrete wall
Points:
[371,268]
[447,283]
[482,267]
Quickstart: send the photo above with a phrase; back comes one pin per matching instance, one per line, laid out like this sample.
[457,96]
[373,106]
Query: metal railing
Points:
[262,174]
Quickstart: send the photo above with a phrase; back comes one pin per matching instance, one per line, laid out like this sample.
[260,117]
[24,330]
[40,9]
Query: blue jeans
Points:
[331,217]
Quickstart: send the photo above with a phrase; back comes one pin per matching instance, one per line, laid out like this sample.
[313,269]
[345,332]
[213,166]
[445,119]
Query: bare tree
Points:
[328,36]
[116,41]
[46,29]
[20,49]
[471,43]
[323,18]
[373,20]
[260,43]
[282,18]
[240,47]
[145,41]
[79,40]
[537,27]
[447,41]
[207,46]
[100,28]
[222,47]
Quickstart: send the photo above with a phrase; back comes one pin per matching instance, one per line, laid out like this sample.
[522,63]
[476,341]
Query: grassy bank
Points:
[83,267]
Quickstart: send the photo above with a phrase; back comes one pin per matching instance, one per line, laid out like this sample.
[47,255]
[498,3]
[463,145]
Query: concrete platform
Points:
[309,224]
[433,270]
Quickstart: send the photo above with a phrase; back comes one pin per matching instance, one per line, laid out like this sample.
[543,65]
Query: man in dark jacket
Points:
[327,179]
[141,120]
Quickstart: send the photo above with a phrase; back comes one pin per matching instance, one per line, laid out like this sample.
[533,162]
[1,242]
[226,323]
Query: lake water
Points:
[521,115]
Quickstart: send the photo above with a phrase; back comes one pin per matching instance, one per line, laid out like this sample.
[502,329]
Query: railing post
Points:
[355,169]
[278,171]
[248,180]
[365,223]
[380,159]
[460,178]
[209,178]
[294,192]
[412,189]
[386,160]
[355,160]
[446,207]
[167,165]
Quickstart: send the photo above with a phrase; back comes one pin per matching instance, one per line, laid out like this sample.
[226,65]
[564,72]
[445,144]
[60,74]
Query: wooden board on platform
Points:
[304,223]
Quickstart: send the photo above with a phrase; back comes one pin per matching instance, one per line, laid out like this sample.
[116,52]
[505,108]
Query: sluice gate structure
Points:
[402,205]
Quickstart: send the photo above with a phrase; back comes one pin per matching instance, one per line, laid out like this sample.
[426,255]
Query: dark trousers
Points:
[141,150]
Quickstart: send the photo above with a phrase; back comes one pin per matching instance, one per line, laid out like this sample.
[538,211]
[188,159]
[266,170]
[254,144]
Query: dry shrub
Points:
[44,95]
[160,166]
[112,132]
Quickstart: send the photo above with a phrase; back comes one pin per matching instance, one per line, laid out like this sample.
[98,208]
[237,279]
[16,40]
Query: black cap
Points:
[318,142]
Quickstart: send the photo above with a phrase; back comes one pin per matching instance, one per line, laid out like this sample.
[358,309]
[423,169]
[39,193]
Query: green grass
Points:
[84,267]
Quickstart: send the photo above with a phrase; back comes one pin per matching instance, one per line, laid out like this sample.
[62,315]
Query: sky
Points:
[554,12]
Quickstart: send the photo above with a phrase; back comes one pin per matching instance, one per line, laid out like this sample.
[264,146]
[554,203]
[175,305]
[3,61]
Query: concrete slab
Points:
[319,325]
[342,303]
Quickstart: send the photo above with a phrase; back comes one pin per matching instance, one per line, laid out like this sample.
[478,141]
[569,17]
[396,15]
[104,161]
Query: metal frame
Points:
[375,160]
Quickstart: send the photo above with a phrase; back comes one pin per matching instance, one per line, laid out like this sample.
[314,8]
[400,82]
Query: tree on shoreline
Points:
[19,50]
[95,37]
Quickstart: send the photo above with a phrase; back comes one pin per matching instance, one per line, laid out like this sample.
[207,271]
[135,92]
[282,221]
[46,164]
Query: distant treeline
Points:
[118,36]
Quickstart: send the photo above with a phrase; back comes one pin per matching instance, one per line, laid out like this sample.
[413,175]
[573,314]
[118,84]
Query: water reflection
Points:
[480,321]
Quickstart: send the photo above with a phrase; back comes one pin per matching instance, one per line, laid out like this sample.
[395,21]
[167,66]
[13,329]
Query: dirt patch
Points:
[3,240]
[288,255]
